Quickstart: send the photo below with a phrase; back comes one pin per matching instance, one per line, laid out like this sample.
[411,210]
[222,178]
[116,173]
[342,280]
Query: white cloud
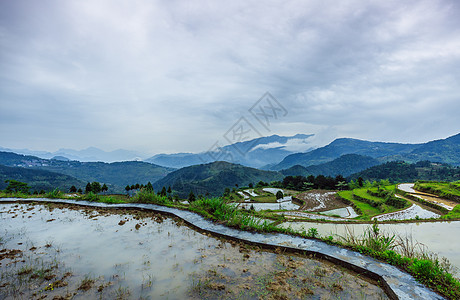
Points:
[293,145]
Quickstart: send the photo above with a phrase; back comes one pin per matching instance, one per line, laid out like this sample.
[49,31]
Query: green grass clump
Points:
[146,196]
[55,194]
[453,214]
[425,267]
[90,196]
[4,194]
[220,210]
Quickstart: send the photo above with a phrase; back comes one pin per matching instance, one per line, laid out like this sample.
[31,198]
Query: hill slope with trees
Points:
[213,178]
[400,171]
[39,180]
[117,174]
[345,165]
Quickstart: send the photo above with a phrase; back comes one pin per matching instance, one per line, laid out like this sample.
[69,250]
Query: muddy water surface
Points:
[65,253]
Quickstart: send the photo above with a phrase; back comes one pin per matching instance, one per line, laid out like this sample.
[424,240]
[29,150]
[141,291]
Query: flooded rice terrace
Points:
[436,237]
[56,251]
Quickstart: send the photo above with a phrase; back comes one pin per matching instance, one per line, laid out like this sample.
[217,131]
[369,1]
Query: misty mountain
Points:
[444,151]
[117,174]
[254,153]
[213,178]
[89,154]
[345,165]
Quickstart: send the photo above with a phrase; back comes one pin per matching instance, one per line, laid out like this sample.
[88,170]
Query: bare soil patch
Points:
[320,200]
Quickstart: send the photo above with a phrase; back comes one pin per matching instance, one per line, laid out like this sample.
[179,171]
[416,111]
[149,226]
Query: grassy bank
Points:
[447,190]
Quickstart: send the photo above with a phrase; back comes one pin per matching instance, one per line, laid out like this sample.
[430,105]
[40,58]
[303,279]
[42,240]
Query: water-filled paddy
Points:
[138,254]
[438,237]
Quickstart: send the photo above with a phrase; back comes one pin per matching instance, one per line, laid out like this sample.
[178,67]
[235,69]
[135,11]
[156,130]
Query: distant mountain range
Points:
[213,178]
[255,153]
[344,156]
[443,151]
[400,171]
[88,154]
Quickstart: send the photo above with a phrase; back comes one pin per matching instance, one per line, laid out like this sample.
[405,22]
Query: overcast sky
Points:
[175,76]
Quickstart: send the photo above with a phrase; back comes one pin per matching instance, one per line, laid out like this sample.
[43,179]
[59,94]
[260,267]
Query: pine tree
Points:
[163,192]
[149,187]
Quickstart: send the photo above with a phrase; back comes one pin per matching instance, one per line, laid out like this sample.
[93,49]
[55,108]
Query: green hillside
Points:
[443,151]
[213,178]
[117,174]
[399,171]
[345,165]
[39,179]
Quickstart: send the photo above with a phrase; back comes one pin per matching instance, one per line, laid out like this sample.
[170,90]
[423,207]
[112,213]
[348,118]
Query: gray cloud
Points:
[174,76]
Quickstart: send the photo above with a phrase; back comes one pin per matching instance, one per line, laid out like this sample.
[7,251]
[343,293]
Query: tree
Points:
[360,181]
[261,184]
[16,186]
[191,197]
[169,190]
[307,185]
[137,186]
[149,187]
[127,189]
[279,195]
[88,188]
[251,185]
[72,189]
[80,191]
[341,185]
[163,192]
[96,187]
[104,188]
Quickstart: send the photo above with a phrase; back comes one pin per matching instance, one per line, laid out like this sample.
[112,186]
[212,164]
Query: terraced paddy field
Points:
[58,251]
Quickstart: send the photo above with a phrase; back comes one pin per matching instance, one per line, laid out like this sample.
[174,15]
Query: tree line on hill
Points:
[302,183]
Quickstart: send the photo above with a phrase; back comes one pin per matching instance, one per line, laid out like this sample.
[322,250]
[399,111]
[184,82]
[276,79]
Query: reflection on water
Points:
[147,255]
[439,237]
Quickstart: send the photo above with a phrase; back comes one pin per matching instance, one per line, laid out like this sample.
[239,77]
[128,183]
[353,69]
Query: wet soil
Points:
[252,274]
[320,200]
